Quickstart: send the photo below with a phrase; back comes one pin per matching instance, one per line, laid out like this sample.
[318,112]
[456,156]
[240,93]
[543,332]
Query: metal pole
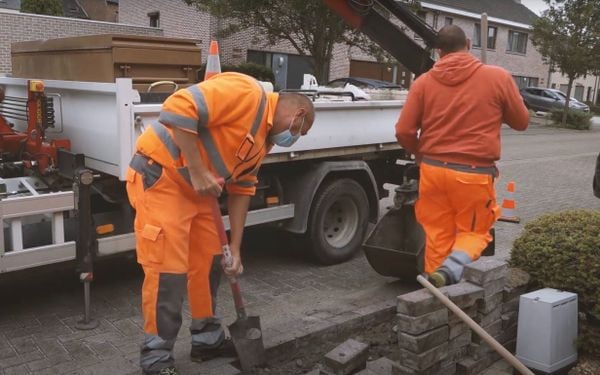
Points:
[484,37]
[85,246]
[475,327]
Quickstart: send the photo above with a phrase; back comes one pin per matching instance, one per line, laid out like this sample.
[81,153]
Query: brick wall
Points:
[176,19]
[18,27]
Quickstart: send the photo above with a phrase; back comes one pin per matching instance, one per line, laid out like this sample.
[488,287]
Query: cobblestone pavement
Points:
[38,309]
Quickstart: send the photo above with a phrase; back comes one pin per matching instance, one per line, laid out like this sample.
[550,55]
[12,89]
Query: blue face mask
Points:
[286,138]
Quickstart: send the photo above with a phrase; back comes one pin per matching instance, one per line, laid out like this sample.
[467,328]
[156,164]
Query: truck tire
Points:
[338,221]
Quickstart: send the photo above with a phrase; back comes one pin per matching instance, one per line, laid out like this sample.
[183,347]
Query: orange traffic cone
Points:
[213,63]
[509,205]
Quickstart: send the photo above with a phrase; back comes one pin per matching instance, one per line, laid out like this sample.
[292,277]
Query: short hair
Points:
[297,100]
[451,38]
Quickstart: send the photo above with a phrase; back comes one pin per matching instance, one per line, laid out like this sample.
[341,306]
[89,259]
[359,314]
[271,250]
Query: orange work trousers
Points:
[457,208]
[177,245]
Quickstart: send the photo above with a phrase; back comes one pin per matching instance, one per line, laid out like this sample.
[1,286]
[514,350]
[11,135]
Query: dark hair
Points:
[451,38]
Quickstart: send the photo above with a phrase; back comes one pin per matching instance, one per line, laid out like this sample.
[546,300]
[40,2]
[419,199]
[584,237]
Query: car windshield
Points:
[563,96]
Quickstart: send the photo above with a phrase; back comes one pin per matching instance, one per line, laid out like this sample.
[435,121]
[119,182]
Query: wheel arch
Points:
[301,188]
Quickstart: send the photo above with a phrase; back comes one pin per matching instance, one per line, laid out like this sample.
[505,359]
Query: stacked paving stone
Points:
[434,341]
[490,276]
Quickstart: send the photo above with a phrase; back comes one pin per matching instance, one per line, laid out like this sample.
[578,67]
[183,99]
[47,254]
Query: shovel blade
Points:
[246,335]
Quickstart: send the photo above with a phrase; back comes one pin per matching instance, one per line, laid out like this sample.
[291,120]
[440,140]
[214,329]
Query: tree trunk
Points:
[566,109]
[320,65]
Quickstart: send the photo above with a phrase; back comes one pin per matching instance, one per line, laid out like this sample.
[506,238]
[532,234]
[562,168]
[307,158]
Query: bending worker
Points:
[222,127]
[458,107]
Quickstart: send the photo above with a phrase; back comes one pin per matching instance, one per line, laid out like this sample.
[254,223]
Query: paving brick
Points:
[507,334]
[423,323]
[424,360]
[423,342]
[486,305]
[470,366]
[478,351]
[464,294]
[115,365]
[449,369]
[7,353]
[17,370]
[485,320]
[351,355]
[485,270]
[48,362]
[403,370]
[510,306]
[418,303]
[493,287]
[470,311]
[226,369]
[51,347]
[460,341]
[455,356]
[493,329]
[23,344]
[510,319]
[457,329]
[21,359]
[381,366]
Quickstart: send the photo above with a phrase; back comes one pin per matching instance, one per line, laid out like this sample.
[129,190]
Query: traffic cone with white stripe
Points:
[213,63]
[509,205]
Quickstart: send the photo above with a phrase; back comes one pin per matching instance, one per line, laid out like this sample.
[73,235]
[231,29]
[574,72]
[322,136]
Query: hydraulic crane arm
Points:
[362,15]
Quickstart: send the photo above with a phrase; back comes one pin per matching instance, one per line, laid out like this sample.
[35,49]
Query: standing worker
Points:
[222,127]
[458,107]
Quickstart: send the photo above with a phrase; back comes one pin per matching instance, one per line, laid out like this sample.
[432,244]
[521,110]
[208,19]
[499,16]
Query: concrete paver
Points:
[39,308]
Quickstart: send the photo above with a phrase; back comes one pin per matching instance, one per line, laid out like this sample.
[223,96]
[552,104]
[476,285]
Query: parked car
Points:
[542,99]
[363,83]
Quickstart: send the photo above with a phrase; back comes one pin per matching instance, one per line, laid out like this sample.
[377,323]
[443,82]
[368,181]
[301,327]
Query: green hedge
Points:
[562,251]
[575,119]
[260,72]
[594,108]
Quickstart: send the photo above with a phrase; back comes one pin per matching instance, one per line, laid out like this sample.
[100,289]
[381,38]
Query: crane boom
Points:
[363,15]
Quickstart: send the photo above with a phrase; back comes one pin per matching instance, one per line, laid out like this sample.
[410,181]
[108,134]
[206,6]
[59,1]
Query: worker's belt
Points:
[140,163]
[492,171]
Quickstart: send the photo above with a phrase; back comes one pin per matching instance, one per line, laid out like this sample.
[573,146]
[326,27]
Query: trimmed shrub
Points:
[562,251]
[594,108]
[575,119]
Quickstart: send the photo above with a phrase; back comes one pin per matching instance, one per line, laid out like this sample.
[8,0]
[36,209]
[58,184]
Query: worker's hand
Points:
[235,268]
[205,183]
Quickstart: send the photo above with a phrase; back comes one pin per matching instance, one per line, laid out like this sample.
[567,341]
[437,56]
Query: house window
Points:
[492,32]
[154,19]
[448,21]
[517,42]
[523,82]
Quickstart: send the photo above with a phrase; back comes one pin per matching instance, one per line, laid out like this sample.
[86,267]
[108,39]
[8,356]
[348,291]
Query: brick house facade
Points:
[510,22]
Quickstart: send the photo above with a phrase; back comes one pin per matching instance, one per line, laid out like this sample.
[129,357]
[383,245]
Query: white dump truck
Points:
[325,188]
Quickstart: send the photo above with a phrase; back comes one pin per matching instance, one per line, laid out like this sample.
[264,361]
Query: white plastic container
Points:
[547,330]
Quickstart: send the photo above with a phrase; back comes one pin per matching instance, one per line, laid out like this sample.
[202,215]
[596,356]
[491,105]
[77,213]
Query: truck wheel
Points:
[338,221]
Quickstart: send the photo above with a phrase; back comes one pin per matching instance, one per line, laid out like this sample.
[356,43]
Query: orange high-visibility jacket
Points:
[231,115]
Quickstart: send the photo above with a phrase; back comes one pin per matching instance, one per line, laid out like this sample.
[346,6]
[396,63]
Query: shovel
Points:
[246,333]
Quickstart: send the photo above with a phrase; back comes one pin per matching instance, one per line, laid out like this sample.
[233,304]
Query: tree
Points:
[309,26]
[47,7]
[568,37]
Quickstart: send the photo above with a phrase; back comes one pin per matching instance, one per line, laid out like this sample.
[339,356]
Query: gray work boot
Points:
[164,371]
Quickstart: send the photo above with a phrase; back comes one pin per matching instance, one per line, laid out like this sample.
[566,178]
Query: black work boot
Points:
[164,371]
[226,349]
